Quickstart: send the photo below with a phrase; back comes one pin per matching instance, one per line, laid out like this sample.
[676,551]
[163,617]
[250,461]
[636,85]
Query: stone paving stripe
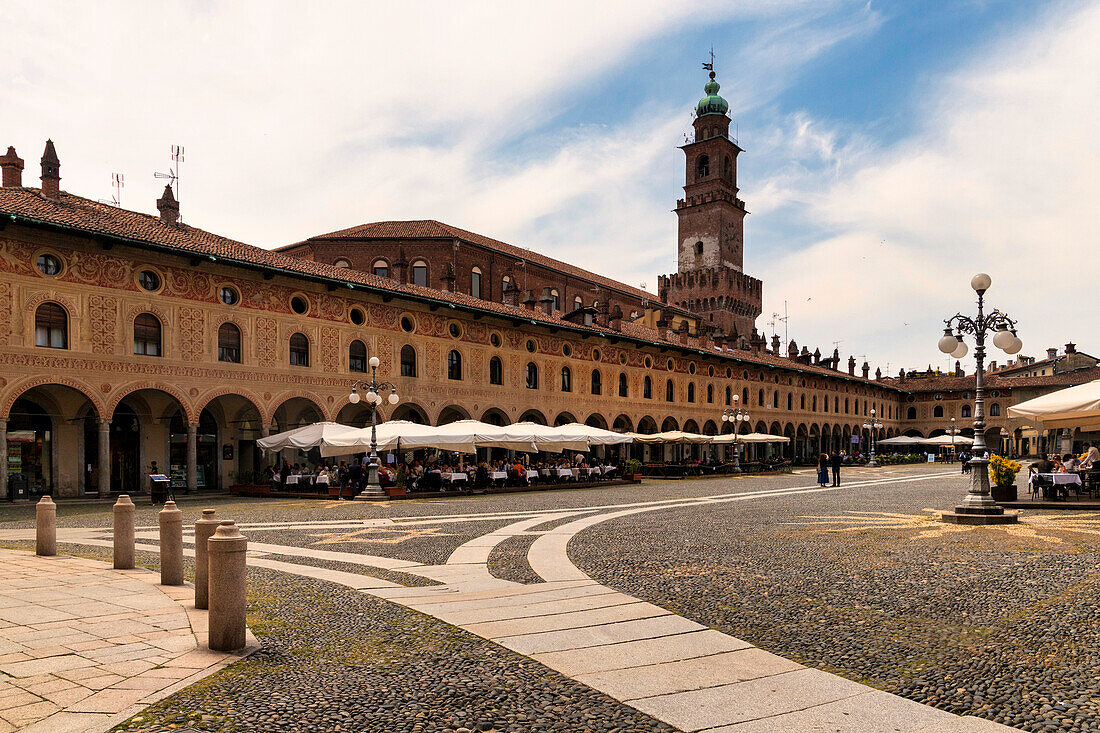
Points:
[751,700]
[590,660]
[351,580]
[688,674]
[569,620]
[530,610]
[556,641]
[517,596]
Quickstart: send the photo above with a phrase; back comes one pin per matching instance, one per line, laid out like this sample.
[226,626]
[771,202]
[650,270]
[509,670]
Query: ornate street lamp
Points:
[735,416]
[978,507]
[873,424]
[953,431]
[373,396]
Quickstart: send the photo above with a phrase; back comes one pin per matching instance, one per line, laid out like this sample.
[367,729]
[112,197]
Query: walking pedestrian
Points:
[836,459]
[355,478]
[823,470]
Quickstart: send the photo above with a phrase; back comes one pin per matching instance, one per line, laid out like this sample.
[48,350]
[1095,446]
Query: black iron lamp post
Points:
[373,490]
[978,507]
[873,425]
[735,416]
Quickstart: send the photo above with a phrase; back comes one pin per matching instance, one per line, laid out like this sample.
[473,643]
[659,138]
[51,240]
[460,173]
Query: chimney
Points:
[447,279]
[529,300]
[12,165]
[866,370]
[792,350]
[836,359]
[959,369]
[776,344]
[615,320]
[51,172]
[878,375]
[168,207]
[400,265]
[511,294]
[1051,353]
[547,302]
[852,365]
[1071,348]
[992,366]
[817,357]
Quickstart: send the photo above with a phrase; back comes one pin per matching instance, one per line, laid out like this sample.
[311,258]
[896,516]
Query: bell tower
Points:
[709,278]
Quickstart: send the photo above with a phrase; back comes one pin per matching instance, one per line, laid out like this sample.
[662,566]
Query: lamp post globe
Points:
[981,282]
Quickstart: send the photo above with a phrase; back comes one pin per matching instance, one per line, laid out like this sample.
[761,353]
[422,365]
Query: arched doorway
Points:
[495,416]
[53,437]
[452,413]
[411,412]
[564,418]
[533,416]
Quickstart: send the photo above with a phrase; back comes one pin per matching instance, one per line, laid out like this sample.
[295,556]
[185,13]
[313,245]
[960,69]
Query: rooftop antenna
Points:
[173,173]
[118,181]
[776,319]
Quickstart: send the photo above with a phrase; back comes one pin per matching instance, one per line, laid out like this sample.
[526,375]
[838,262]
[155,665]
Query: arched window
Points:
[802,402]
[710,393]
[691,391]
[729,395]
[597,382]
[475,282]
[775,399]
[51,326]
[532,376]
[381,268]
[994,410]
[566,379]
[937,411]
[836,403]
[408,361]
[299,350]
[357,356]
[911,413]
[845,405]
[454,365]
[505,283]
[789,401]
[420,273]
[698,248]
[813,408]
[622,385]
[745,396]
[556,304]
[702,166]
[578,303]
[229,343]
[670,391]
[147,335]
[496,371]
[647,388]
[342,263]
[727,169]
[966,411]
[760,398]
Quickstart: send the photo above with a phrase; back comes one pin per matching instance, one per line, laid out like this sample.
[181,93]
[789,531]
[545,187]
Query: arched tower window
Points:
[229,343]
[51,326]
[496,371]
[566,379]
[578,303]
[691,391]
[505,283]
[147,335]
[556,304]
[357,356]
[475,282]
[420,273]
[381,268]
[454,365]
[299,350]
[532,375]
[727,169]
[622,385]
[702,166]
[647,388]
[597,382]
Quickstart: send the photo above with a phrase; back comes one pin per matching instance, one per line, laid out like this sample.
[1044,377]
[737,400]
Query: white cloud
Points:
[1003,177]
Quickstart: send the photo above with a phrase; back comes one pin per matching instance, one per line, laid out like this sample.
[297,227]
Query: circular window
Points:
[910,398]
[454,330]
[691,368]
[567,350]
[149,280]
[670,364]
[938,397]
[48,264]
[994,393]
[596,355]
[494,339]
[299,305]
[648,362]
[622,358]
[531,345]
[229,295]
[407,324]
[358,317]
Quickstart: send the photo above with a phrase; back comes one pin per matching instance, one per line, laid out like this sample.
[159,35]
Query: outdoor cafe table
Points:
[532,474]
[498,476]
[453,477]
[565,473]
[291,480]
[1058,479]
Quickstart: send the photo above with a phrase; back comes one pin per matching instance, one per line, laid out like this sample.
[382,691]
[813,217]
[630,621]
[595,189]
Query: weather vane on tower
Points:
[710,67]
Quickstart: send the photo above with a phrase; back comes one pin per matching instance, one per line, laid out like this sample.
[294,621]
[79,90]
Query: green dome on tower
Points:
[712,104]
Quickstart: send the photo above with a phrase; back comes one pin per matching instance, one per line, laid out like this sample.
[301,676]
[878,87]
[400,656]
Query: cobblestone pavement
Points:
[886,596]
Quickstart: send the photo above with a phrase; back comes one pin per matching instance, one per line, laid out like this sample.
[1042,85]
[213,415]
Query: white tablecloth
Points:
[454,477]
[565,473]
[292,480]
[1058,478]
[498,475]
[532,474]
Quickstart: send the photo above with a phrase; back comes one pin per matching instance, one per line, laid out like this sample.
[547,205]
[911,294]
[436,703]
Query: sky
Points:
[892,149]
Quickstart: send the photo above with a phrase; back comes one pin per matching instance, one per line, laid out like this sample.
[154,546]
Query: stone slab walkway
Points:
[84,647]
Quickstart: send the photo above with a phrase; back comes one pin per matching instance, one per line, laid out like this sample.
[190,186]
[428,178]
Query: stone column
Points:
[45,543]
[204,529]
[1066,441]
[227,588]
[3,458]
[171,544]
[124,533]
[104,457]
[192,456]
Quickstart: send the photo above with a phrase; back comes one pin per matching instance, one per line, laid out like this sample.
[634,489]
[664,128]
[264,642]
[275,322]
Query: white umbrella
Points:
[594,436]
[670,436]
[317,435]
[764,438]
[540,437]
[1076,407]
[900,440]
[947,440]
[396,434]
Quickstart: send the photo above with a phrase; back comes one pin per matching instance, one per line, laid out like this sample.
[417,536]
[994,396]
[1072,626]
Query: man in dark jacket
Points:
[835,460]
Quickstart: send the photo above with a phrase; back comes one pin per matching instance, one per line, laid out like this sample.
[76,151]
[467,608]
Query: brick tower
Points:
[709,279]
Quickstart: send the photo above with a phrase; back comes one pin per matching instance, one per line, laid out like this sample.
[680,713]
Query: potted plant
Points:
[1002,475]
[632,470]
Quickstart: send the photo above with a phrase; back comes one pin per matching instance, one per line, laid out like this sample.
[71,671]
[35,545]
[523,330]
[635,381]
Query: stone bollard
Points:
[171,544]
[227,588]
[124,533]
[204,529]
[45,513]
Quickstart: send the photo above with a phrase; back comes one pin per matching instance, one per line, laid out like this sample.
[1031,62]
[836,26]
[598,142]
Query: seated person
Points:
[1058,467]
[1069,461]
[1043,465]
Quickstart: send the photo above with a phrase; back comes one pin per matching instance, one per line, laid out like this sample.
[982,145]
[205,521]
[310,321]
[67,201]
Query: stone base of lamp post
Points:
[373,491]
[978,507]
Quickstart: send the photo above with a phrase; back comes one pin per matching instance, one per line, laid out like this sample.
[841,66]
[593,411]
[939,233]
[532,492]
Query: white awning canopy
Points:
[316,435]
[1075,407]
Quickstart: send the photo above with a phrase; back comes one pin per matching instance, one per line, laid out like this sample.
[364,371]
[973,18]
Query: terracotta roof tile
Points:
[993,381]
